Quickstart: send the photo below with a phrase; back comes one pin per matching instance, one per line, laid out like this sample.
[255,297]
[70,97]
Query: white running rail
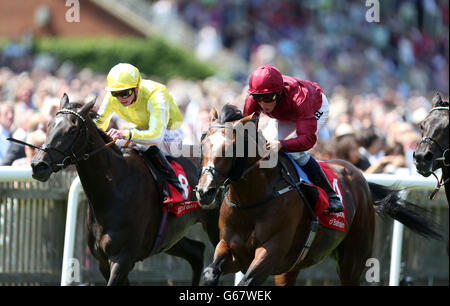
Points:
[8,173]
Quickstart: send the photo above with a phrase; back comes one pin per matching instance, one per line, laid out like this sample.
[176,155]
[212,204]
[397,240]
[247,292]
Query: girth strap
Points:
[274,195]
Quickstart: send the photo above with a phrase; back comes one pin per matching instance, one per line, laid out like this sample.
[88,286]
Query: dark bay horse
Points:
[262,235]
[125,208]
[432,152]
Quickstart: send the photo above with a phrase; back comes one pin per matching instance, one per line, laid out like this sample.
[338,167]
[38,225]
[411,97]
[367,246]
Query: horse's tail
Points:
[388,202]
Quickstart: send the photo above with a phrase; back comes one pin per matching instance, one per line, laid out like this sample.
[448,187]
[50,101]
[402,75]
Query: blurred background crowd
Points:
[379,77]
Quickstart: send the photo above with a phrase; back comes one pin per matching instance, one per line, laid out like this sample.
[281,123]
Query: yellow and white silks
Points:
[157,118]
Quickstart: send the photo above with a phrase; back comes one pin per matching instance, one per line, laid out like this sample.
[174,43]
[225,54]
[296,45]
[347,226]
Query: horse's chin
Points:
[424,170]
[40,177]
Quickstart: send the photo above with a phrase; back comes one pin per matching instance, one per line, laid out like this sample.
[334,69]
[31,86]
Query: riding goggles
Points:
[122,94]
[265,98]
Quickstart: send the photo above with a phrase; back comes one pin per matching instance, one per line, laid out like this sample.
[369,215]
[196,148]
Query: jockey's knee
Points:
[301,158]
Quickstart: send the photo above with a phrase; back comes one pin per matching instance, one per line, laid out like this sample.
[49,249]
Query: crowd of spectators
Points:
[376,133]
[331,41]
[379,77]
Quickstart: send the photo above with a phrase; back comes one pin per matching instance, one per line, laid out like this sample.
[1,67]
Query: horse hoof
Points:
[210,277]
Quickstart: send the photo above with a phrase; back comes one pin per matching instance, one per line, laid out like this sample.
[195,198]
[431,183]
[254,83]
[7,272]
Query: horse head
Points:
[67,139]
[432,151]
[225,151]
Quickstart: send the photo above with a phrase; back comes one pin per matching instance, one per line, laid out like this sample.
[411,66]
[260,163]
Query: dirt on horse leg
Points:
[286,279]
[192,251]
[223,263]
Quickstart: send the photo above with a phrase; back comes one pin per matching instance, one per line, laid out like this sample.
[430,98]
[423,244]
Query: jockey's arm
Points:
[158,108]
[104,114]
[306,136]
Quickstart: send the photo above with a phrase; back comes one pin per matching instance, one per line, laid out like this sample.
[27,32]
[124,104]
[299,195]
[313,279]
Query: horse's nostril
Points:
[211,192]
[428,156]
[39,166]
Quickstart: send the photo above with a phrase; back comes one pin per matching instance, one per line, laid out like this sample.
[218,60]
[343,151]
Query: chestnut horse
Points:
[262,234]
[125,207]
[432,152]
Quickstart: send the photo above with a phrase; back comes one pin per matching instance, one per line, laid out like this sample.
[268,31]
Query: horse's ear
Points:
[64,101]
[87,107]
[437,100]
[249,118]
[213,115]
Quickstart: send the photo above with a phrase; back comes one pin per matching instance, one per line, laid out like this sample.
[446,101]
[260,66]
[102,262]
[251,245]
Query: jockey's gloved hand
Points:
[273,145]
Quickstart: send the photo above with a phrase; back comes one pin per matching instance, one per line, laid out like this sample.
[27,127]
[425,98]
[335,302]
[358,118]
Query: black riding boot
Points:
[318,178]
[163,165]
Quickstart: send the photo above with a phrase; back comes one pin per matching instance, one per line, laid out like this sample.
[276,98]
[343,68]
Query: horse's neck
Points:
[258,185]
[98,174]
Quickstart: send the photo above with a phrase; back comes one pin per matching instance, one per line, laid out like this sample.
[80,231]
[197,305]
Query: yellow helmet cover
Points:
[123,76]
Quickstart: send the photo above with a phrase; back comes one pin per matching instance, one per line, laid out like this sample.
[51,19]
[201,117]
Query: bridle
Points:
[443,157]
[239,167]
[69,156]
[432,142]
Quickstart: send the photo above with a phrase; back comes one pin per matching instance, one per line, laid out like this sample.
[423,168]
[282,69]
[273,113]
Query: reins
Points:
[228,180]
[291,186]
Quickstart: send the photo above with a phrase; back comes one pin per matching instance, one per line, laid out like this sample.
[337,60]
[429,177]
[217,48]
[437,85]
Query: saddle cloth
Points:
[178,208]
[319,199]
[181,208]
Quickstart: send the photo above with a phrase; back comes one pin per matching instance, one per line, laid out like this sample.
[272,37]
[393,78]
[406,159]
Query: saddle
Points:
[161,185]
[316,197]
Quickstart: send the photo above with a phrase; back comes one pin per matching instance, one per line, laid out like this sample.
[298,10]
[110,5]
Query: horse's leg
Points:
[192,251]
[223,263]
[286,279]
[266,259]
[352,254]
[209,220]
[104,268]
[120,266]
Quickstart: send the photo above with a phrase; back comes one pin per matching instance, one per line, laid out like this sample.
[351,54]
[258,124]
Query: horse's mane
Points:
[230,113]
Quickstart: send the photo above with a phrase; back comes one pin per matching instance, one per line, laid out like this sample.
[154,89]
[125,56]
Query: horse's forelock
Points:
[230,113]
[444,103]
[74,106]
[437,101]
